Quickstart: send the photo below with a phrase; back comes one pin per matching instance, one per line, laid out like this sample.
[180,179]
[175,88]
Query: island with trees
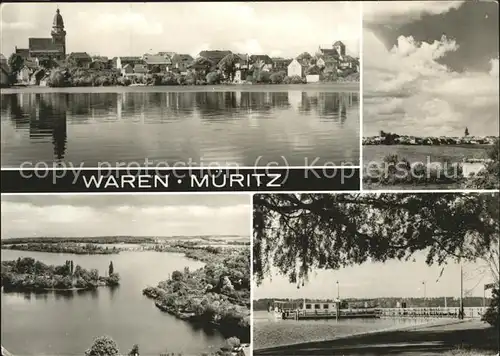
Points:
[217,294]
[30,275]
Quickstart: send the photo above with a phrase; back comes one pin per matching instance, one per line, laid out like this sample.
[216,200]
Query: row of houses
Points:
[327,60]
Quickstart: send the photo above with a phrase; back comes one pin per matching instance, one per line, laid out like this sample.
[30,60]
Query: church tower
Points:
[58,33]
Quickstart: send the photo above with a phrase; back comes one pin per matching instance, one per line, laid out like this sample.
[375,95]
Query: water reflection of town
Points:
[46,116]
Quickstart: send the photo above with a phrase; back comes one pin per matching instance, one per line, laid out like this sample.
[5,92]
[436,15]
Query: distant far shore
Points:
[410,140]
[323,87]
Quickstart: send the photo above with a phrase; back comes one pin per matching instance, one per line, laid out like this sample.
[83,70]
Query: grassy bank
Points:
[429,340]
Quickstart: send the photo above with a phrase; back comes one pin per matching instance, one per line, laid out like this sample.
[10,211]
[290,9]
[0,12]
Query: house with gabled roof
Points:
[162,62]
[140,69]
[296,68]
[119,62]
[213,56]
[127,69]
[281,64]
[24,53]
[79,59]
[28,68]
[262,60]
[181,62]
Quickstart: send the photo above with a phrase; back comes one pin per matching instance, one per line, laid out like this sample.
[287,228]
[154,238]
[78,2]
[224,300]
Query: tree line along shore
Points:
[388,138]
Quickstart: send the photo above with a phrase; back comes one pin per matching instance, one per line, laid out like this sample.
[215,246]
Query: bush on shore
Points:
[492,314]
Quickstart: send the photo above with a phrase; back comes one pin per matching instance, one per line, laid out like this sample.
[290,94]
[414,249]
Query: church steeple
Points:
[58,33]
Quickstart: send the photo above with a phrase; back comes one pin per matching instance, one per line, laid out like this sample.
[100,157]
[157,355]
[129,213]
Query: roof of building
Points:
[127,66]
[331,52]
[130,59]
[80,56]
[214,56]
[100,58]
[2,58]
[299,62]
[156,60]
[140,68]
[261,57]
[44,45]
[182,58]
[243,57]
[23,52]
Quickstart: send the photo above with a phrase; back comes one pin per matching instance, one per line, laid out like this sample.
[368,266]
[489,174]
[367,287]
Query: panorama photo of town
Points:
[430,95]
[259,85]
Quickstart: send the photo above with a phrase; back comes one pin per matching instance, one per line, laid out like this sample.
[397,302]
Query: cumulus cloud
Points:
[385,12]
[406,90]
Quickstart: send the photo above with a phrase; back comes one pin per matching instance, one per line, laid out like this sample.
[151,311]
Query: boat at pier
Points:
[317,309]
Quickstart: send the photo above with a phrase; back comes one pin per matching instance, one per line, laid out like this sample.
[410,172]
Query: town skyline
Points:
[141,29]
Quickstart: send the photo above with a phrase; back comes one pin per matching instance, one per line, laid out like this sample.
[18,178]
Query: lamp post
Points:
[461,311]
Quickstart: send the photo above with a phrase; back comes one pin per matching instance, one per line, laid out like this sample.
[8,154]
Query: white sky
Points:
[390,279]
[125,215]
[112,29]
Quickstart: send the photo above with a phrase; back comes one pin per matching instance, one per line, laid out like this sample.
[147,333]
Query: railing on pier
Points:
[436,312]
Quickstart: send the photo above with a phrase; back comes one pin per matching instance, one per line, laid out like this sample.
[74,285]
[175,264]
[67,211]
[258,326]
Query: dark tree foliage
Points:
[15,62]
[103,346]
[134,351]
[296,233]
[492,314]
[111,269]
[489,178]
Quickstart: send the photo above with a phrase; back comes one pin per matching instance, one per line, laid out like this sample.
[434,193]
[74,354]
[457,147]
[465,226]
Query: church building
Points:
[47,48]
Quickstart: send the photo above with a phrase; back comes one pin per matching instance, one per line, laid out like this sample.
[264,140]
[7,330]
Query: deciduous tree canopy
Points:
[296,233]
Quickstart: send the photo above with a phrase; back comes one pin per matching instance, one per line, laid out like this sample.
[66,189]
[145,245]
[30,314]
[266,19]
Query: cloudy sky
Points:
[418,82]
[125,215]
[390,279]
[113,29]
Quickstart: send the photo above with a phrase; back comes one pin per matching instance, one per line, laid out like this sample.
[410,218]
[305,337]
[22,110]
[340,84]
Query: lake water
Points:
[183,127]
[66,324]
[269,332]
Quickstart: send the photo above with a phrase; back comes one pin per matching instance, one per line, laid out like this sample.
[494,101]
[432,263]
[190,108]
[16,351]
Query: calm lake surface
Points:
[291,126]
[66,324]
[269,332]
